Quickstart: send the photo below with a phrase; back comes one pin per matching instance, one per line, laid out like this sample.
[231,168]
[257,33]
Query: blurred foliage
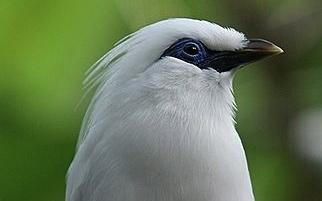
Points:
[46,46]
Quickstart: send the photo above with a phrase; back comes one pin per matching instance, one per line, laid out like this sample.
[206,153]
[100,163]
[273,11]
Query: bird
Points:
[160,125]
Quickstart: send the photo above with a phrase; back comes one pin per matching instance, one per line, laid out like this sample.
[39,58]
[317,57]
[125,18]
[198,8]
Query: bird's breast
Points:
[175,149]
[184,157]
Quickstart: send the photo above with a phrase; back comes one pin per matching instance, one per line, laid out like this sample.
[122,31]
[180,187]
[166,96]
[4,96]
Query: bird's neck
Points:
[215,148]
[183,140]
[198,147]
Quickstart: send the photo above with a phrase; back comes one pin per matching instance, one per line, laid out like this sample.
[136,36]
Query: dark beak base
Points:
[255,49]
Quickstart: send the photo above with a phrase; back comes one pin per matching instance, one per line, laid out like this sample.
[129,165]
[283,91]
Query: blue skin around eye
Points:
[221,61]
[177,50]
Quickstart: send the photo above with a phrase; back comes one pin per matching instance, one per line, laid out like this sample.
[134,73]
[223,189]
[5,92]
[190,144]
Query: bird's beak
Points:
[257,49]
[254,50]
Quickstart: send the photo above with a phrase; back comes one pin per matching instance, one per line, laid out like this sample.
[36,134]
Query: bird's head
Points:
[180,45]
[183,55]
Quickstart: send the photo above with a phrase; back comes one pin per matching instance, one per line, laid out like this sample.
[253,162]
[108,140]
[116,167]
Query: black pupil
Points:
[191,49]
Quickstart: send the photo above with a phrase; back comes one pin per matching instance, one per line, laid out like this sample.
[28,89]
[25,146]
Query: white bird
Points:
[160,126]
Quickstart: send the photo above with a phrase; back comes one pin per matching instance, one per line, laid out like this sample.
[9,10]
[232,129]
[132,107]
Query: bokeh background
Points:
[46,46]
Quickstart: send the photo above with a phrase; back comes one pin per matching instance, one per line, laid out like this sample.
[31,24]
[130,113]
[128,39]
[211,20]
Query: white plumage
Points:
[159,128]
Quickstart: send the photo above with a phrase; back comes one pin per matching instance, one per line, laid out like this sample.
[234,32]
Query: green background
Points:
[46,46]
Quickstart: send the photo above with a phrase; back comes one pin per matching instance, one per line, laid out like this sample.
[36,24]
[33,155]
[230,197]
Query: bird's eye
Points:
[191,49]
[188,50]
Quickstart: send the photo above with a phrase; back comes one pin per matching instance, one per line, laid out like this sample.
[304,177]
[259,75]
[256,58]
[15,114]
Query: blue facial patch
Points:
[195,52]
[188,50]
